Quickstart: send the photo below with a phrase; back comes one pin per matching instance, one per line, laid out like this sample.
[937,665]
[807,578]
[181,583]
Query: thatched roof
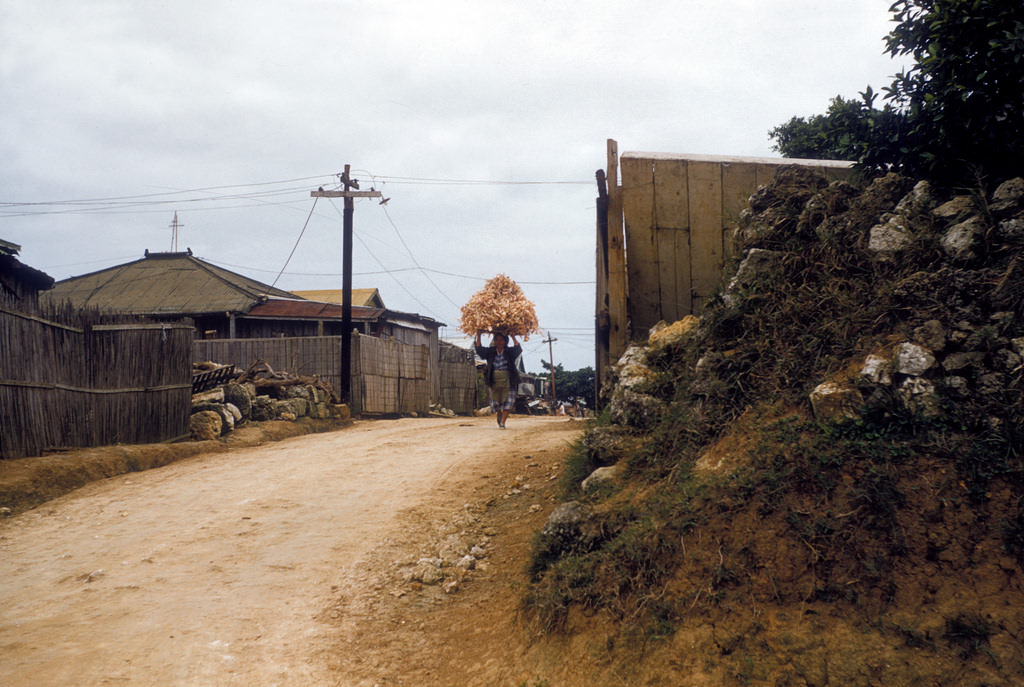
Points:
[165,284]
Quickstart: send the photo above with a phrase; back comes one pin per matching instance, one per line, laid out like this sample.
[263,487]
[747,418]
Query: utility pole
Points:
[347,183]
[551,359]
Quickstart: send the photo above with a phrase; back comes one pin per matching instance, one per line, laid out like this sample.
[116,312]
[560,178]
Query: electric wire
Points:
[397,281]
[289,258]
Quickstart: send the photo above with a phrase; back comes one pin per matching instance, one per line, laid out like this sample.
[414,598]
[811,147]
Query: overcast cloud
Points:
[230,113]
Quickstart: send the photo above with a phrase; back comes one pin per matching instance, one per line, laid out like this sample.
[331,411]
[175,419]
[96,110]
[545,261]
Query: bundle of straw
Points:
[500,307]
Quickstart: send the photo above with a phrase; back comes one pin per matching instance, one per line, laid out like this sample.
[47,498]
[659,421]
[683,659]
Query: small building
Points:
[227,305]
[20,284]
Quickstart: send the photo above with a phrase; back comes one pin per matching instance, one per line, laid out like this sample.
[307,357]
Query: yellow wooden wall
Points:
[677,216]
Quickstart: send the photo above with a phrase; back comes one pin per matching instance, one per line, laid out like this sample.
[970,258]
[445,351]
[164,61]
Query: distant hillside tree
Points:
[957,112]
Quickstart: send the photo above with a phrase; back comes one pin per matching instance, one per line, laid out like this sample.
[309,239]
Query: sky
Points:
[483,122]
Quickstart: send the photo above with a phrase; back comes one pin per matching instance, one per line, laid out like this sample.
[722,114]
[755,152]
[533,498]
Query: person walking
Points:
[501,375]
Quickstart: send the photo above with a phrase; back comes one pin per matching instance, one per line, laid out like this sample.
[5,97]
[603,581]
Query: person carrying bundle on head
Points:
[501,374]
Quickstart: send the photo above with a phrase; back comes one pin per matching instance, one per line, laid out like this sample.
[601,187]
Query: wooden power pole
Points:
[551,358]
[347,184]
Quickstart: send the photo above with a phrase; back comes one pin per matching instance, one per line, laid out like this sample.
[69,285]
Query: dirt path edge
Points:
[29,482]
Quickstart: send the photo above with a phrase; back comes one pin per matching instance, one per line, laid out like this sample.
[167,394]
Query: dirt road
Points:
[292,563]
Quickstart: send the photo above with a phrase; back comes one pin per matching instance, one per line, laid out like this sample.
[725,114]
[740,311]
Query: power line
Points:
[477,182]
[397,281]
[137,201]
[415,261]
[289,258]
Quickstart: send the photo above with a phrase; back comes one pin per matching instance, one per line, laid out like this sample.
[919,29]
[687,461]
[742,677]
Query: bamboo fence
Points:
[388,376]
[72,379]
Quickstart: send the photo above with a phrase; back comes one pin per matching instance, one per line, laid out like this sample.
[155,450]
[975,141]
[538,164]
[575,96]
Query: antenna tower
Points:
[174,232]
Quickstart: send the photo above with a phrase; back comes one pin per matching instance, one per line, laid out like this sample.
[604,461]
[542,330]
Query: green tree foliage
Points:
[573,384]
[957,112]
[847,131]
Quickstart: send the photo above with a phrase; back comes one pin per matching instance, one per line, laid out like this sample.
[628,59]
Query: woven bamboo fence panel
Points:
[74,379]
[458,380]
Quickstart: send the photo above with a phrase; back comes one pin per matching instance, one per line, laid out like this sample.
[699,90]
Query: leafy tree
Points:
[956,112]
[845,132]
[576,384]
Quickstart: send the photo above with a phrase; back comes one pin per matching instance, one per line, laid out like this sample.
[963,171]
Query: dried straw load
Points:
[500,306]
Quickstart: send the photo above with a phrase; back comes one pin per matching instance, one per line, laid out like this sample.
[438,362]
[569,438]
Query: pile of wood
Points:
[500,307]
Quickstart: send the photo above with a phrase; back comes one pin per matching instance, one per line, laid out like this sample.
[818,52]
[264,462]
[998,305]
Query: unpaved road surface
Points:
[287,563]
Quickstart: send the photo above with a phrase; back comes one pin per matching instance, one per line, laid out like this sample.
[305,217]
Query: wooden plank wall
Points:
[72,379]
[678,217]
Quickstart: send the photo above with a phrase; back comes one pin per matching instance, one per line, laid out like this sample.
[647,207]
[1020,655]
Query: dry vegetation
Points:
[500,306]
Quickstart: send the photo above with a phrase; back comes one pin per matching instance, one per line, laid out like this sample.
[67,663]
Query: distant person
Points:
[501,374]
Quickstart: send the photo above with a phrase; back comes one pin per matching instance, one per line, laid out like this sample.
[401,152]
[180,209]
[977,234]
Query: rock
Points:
[239,396]
[956,209]
[571,527]
[1012,229]
[228,417]
[634,356]
[918,395]
[955,362]
[673,334]
[957,386]
[911,359]
[959,240]
[993,384]
[320,411]
[632,409]
[606,444]
[921,199]
[889,238]
[599,476]
[1009,195]
[205,425]
[467,562]
[757,263]
[1006,360]
[341,411]
[299,391]
[931,335]
[1018,346]
[876,370]
[832,401]
[297,407]
[236,414]
[882,195]
[427,571]
[290,417]
[262,408]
